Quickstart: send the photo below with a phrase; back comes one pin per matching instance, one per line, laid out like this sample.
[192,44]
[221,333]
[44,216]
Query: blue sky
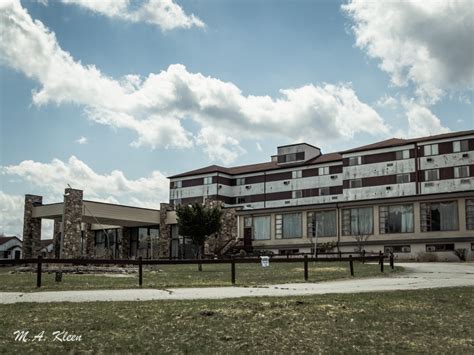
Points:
[350,77]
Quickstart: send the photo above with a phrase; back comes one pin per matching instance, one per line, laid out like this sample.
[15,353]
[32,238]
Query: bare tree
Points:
[361,240]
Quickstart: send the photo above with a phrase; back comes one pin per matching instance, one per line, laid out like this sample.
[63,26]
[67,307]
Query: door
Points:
[17,254]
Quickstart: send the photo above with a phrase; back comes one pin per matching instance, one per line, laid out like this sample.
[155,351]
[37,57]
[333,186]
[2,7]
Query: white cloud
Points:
[163,13]
[11,214]
[156,106]
[259,147]
[387,101]
[422,122]
[81,140]
[427,43]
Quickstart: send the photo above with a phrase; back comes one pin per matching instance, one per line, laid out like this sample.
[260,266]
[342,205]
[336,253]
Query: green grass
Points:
[434,321]
[188,276]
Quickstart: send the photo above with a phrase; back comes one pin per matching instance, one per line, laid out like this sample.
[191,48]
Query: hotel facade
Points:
[410,196]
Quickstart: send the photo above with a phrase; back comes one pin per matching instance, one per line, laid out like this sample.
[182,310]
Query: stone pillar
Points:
[31,227]
[220,242]
[164,242]
[88,240]
[125,253]
[73,206]
[57,238]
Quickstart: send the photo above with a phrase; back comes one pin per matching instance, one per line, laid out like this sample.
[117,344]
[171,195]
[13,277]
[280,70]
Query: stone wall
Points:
[73,206]
[31,228]
[164,242]
[228,232]
[88,240]
[57,238]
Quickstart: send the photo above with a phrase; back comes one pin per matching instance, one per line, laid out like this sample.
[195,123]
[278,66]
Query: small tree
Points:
[361,240]
[198,222]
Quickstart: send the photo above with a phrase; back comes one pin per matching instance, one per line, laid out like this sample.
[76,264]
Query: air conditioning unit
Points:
[334,197]
[333,176]
[220,186]
[287,202]
[248,187]
[465,181]
[286,182]
[429,184]
[390,164]
[465,155]
[429,159]
[388,188]
[431,248]
[248,205]
[406,249]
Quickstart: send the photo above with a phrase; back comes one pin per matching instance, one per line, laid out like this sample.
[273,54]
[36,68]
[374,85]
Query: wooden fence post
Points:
[232,270]
[140,271]
[306,267]
[363,256]
[351,265]
[38,271]
[381,261]
[391,260]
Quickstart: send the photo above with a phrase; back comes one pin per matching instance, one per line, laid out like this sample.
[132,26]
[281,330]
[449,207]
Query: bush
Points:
[427,257]
[460,253]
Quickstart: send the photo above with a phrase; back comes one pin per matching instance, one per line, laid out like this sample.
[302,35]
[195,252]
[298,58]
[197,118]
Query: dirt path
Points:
[417,276]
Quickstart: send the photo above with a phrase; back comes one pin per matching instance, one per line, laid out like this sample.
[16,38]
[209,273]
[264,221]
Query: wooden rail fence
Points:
[233,261]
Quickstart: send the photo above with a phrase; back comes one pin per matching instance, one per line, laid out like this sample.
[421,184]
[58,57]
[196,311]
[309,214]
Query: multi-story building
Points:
[411,196]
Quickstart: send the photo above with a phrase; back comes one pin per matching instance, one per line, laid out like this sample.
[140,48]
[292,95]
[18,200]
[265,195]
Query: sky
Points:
[113,96]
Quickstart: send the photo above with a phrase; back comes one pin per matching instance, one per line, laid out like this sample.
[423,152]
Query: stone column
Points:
[31,227]
[125,243]
[57,238]
[89,240]
[164,242]
[73,206]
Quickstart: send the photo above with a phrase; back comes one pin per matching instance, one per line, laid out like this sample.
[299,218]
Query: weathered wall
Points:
[31,228]
[73,206]
[164,242]
[228,232]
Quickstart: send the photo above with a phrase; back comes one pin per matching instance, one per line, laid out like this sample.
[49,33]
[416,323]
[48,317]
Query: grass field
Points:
[437,321]
[188,276]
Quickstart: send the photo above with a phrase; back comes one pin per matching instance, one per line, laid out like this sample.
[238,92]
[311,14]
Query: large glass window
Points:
[431,149]
[396,219]
[291,225]
[439,216]
[460,146]
[357,221]
[461,171]
[355,161]
[261,227]
[432,175]
[322,224]
[402,154]
[470,214]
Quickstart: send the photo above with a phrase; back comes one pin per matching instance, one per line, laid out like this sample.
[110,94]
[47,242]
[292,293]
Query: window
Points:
[432,175]
[461,171]
[439,247]
[402,154]
[460,146]
[323,170]
[397,249]
[324,191]
[288,251]
[297,194]
[261,227]
[296,174]
[177,184]
[290,226]
[176,202]
[240,181]
[431,149]
[355,183]
[439,216]
[207,180]
[472,246]
[357,221]
[354,161]
[403,178]
[396,219]
[470,214]
[240,199]
[247,222]
[322,224]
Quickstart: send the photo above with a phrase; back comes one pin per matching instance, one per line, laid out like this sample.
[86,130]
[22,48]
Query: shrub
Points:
[460,253]
[427,257]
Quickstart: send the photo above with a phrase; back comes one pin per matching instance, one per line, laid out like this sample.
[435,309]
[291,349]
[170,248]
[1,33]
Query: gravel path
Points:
[417,276]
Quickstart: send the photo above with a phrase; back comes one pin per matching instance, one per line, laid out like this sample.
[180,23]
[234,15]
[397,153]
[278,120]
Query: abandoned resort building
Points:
[409,196]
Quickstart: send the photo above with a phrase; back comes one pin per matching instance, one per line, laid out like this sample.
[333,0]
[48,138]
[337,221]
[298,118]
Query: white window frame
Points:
[207,180]
[297,194]
[178,184]
[353,182]
[297,174]
[427,174]
[402,176]
[324,170]
[457,170]
[431,149]
[358,161]
[457,146]
[321,189]
[240,181]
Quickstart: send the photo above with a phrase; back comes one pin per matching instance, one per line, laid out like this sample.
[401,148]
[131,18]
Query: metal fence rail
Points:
[233,261]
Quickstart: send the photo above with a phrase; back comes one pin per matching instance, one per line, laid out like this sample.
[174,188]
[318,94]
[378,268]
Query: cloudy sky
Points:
[113,96]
